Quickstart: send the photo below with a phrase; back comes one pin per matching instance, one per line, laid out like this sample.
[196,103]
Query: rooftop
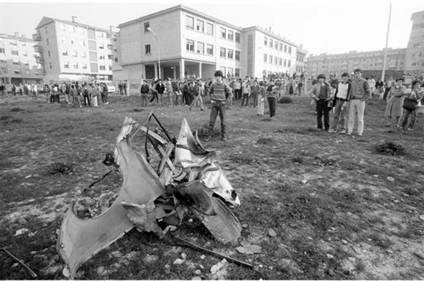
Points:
[177,8]
[47,20]
[16,37]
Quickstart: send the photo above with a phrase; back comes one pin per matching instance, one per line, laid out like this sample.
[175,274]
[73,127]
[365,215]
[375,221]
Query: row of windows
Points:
[83,55]
[14,52]
[277,45]
[84,66]
[276,60]
[200,49]
[209,29]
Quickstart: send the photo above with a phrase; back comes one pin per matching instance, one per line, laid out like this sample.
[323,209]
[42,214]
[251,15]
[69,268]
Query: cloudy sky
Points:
[322,26]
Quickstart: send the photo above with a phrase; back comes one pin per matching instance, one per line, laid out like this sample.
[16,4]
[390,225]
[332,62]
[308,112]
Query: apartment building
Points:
[181,42]
[74,51]
[414,63]
[371,62]
[19,60]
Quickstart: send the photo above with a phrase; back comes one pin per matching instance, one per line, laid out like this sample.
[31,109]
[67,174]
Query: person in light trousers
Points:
[359,94]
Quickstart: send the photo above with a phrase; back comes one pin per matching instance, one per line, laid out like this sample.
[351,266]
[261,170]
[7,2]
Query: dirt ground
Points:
[318,205]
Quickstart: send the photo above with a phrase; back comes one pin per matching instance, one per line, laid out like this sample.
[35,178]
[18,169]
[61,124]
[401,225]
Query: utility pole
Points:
[387,42]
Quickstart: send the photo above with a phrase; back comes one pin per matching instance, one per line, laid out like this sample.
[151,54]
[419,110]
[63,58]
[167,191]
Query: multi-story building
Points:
[266,53]
[300,60]
[19,60]
[370,62]
[74,51]
[181,42]
[414,63]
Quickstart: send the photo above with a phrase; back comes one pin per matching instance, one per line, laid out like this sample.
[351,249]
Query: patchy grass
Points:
[339,209]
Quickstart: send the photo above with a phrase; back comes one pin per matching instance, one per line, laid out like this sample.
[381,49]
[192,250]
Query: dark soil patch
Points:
[390,148]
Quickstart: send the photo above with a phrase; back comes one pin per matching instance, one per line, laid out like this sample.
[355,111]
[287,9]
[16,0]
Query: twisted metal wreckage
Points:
[187,178]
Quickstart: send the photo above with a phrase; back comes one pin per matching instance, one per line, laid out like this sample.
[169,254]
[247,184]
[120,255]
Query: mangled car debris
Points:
[187,177]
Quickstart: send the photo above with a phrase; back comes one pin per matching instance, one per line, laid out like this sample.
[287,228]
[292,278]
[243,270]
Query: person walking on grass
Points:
[219,92]
[272,93]
[245,93]
[144,91]
[359,94]
[393,110]
[261,99]
[341,104]
[322,94]
[410,104]
[197,93]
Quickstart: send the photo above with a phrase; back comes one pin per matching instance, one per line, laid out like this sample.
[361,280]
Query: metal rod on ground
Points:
[31,272]
[186,243]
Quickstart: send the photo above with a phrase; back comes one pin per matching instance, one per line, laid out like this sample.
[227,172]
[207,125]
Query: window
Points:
[102,67]
[116,60]
[200,48]
[101,57]
[237,37]
[223,33]
[285,48]
[209,29]
[72,42]
[84,54]
[65,53]
[101,46]
[83,43]
[84,66]
[275,60]
[289,63]
[189,22]
[190,46]
[75,54]
[50,65]
[222,68]
[200,26]
[237,55]
[270,59]
[25,54]
[47,41]
[237,72]
[209,49]
[13,43]
[147,49]
[265,57]
[222,52]
[2,50]
[280,62]
[15,53]
[109,47]
[110,67]
[230,54]
[289,50]
[230,71]
[66,65]
[147,27]
[281,46]
[276,45]
[266,41]
[271,43]
[110,57]
[76,66]
[230,35]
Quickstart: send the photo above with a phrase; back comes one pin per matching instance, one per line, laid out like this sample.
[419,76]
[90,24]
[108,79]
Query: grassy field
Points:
[320,205]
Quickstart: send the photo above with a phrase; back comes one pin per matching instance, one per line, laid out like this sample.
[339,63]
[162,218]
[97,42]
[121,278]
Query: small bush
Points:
[285,100]
[390,148]
[60,168]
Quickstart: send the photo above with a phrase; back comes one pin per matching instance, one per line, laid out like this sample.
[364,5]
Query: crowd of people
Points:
[344,98]
[347,100]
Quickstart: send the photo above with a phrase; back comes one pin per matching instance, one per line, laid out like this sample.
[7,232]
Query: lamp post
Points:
[157,42]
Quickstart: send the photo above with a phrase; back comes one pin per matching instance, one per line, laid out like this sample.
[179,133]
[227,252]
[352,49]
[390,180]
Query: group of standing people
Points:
[347,98]
[76,94]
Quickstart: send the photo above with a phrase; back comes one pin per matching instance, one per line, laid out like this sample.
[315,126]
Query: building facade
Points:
[19,60]
[414,63]
[74,51]
[180,42]
[371,62]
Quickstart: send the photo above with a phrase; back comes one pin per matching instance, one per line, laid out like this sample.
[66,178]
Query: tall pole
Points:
[387,42]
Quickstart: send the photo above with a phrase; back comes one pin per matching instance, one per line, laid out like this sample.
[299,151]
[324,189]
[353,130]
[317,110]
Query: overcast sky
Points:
[322,26]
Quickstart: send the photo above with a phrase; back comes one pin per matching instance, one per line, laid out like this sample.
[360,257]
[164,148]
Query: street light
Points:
[157,42]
